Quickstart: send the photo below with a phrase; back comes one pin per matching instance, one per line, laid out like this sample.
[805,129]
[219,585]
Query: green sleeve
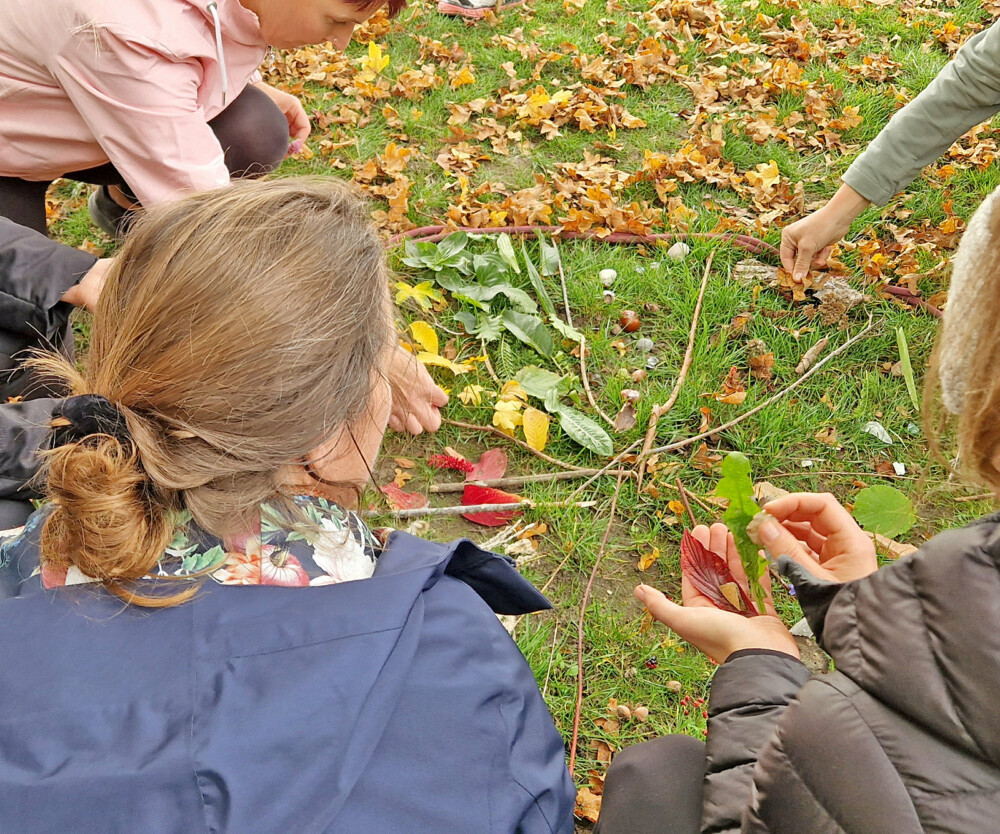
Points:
[965,93]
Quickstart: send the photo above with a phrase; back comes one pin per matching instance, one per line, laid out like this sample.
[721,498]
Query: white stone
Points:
[679,251]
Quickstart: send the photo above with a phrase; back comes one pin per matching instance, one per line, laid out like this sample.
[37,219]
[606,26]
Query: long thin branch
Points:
[659,410]
[684,501]
[562,280]
[680,444]
[586,382]
[514,440]
[462,509]
[579,628]
[503,483]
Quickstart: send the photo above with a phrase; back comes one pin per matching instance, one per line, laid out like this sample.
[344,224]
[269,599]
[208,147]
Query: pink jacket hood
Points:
[135,82]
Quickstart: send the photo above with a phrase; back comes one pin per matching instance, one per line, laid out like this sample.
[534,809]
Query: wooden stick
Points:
[562,280]
[579,629]
[684,500]
[963,499]
[659,410]
[811,355]
[516,441]
[586,382]
[680,444]
[461,509]
[502,483]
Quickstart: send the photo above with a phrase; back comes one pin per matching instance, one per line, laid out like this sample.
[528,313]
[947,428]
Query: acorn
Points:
[629,321]
[641,714]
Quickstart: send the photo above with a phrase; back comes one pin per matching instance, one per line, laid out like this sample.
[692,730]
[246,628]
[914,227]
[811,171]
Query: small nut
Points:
[630,395]
[608,296]
[674,686]
[679,251]
[629,320]
[607,276]
[645,345]
[641,714]
[624,712]
[639,375]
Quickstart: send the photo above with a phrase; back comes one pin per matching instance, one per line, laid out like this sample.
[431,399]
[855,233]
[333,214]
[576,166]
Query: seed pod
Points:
[629,321]
[607,276]
[624,712]
[641,714]
[639,375]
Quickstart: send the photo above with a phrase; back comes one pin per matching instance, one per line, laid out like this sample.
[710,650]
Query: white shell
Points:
[679,251]
[607,276]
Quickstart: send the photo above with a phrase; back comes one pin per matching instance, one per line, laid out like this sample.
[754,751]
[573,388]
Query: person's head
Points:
[286,24]
[966,361]
[240,332]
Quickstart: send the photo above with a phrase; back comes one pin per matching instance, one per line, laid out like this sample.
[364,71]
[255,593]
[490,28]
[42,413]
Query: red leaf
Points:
[450,462]
[491,465]
[400,500]
[708,572]
[487,495]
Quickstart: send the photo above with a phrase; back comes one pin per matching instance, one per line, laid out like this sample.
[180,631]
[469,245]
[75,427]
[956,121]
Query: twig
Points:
[552,654]
[489,365]
[680,444]
[579,628]
[501,483]
[586,382]
[516,441]
[907,295]
[659,410]
[811,355]
[963,499]
[624,453]
[555,573]
[684,500]
[462,509]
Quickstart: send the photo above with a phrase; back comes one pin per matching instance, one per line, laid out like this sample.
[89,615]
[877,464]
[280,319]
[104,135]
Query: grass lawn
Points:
[682,117]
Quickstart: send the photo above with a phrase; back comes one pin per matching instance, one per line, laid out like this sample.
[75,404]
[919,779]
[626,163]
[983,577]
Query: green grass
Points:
[849,392]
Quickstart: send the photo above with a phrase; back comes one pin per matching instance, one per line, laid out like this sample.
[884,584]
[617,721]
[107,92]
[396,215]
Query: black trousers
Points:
[252,130]
[654,788]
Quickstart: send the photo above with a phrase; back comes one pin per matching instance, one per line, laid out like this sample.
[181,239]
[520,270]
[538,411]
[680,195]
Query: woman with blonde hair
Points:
[233,404]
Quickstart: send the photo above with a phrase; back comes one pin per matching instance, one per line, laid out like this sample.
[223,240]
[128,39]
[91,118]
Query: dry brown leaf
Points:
[648,559]
[626,418]
[588,804]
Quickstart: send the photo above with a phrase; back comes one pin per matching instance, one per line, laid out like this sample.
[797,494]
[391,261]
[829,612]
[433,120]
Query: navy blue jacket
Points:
[392,704]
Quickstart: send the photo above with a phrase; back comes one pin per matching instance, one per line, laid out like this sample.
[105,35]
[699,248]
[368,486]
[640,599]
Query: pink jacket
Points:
[130,81]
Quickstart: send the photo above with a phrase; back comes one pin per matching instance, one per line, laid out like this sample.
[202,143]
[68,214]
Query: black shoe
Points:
[108,216]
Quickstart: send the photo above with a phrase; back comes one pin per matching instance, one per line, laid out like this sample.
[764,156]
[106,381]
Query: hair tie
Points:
[76,418]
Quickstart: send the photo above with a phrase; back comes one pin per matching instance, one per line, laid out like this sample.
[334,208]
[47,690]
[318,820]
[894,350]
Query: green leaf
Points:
[539,286]
[506,363]
[737,486]
[506,249]
[549,256]
[468,321]
[884,510]
[538,382]
[452,245]
[489,328]
[419,255]
[904,360]
[584,431]
[567,330]
[530,330]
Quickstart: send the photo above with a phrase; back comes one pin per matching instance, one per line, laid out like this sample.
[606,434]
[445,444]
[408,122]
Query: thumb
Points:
[780,542]
[803,258]
[669,613]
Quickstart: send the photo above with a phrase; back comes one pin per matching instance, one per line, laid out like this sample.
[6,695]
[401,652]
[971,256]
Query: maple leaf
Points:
[373,64]
[424,293]
[471,394]
[461,77]
[507,416]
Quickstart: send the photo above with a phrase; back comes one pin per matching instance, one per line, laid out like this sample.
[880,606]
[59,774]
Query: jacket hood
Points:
[922,635]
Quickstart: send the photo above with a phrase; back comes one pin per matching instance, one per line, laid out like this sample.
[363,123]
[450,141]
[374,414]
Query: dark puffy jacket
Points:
[904,737]
[34,274]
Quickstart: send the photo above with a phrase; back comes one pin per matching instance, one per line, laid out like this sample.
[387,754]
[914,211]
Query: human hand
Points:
[818,533]
[295,114]
[806,244]
[416,399]
[718,633]
[86,292]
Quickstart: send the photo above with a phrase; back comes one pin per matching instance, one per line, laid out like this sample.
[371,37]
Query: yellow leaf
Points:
[441,362]
[507,416]
[471,395]
[512,391]
[462,77]
[425,336]
[647,559]
[766,175]
[536,428]
[677,508]
[375,61]
[424,293]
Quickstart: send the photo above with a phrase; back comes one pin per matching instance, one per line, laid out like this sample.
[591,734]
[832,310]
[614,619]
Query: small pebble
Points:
[806,464]
[654,265]
[645,345]
[640,269]
[652,362]
[607,276]
[679,251]
[608,296]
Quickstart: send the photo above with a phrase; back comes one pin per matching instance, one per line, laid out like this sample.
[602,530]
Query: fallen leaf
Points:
[626,418]
[588,804]
[647,559]
[402,477]
[704,460]
[536,428]
[404,463]
[707,572]
[400,500]
[474,494]
[827,436]
[490,466]
[471,394]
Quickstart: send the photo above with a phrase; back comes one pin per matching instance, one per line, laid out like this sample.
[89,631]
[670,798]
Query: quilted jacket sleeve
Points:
[750,692]
[23,429]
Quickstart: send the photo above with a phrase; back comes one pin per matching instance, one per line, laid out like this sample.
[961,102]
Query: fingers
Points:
[789,245]
[807,534]
[781,542]
[298,122]
[821,510]
[803,258]
[674,616]
[820,258]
